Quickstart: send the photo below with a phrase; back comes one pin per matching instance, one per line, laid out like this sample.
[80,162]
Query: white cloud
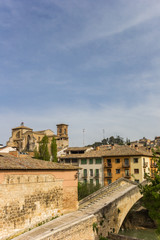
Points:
[134,122]
[104,21]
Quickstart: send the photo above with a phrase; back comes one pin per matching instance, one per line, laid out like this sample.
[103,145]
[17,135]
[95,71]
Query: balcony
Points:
[108,165]
[84,176]
[74,164]
[153,165]
[128,175]
[108,175]
[125,165]
[145,165]
[97,176]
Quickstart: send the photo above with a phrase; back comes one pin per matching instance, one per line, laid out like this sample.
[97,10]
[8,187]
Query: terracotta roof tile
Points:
[118,150]
[10,162]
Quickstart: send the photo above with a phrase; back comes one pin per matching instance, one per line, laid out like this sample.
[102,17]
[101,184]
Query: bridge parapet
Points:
[100,217]
[103,190]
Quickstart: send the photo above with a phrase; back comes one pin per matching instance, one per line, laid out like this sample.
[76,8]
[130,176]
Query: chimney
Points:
[97,148]
[112,146]
[136,147]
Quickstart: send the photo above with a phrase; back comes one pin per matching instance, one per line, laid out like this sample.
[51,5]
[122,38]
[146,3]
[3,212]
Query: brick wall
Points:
[28,199]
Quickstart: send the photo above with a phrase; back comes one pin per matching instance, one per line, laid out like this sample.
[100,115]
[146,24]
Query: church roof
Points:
[22,127]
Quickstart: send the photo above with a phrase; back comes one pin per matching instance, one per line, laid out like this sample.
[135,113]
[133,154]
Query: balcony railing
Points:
[84,176]
[128,175]
[97,176]
[108,175]
[145,165]
[108,165]
[126,165]
[153,165]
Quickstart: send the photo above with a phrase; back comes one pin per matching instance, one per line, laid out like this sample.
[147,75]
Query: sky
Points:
[93,65]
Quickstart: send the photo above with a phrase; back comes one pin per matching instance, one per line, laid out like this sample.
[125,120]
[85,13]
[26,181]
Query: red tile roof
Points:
[10,162]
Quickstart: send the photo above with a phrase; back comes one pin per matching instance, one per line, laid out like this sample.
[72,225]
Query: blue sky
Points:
[91,64]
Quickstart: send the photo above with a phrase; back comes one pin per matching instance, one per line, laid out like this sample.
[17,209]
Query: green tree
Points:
[36,153]
[43,149]
[54,150]
[151,191]
[85,189]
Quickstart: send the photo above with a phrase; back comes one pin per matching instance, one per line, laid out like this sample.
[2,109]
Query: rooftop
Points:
[117,150]
[22,127]
[8,162]
[77,148]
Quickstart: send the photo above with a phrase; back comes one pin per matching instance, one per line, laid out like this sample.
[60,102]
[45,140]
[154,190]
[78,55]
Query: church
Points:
[24,139]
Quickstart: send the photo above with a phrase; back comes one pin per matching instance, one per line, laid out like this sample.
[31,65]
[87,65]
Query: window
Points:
[98,160]
[136,170]
[97,182]
[74,161]
[109,181]
[109,163]
[91,172]
[109,174]
[136,180]
[126,172]
[85,181]
[117,160]
[18,134]
[67,161]
[135,160]
[90,161]
[85,173]
[117,171]
[126,161]
[83,161]
[97,172]
[91,181]
[108,160]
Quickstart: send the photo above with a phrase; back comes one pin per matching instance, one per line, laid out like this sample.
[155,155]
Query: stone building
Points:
[107,164]
[33,191]
[24,139]
[90,165]
[126,161]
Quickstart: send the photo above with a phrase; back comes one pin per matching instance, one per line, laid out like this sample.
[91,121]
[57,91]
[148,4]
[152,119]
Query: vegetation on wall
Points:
[85,189]
[43,152]
[151,192]
[54,150]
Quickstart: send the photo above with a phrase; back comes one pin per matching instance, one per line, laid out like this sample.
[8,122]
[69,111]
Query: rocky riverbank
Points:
[138,218]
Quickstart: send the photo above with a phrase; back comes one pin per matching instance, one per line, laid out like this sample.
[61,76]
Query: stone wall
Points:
[29,199]
[80,230]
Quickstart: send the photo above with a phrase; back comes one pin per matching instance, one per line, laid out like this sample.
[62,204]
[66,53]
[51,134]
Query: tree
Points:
[85,189]
[151,191]
[54,150]
[36,153]
[43,149]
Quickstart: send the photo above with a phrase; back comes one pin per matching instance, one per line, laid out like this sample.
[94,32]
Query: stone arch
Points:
[111,216]
[125,206]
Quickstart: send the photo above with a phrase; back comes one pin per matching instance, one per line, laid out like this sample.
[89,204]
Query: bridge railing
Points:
[104,189]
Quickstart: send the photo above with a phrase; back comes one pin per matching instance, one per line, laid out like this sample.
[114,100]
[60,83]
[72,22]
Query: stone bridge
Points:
[99,214]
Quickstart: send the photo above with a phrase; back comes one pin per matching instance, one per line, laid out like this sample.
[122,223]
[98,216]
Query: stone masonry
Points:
[98,215]
[29,197]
